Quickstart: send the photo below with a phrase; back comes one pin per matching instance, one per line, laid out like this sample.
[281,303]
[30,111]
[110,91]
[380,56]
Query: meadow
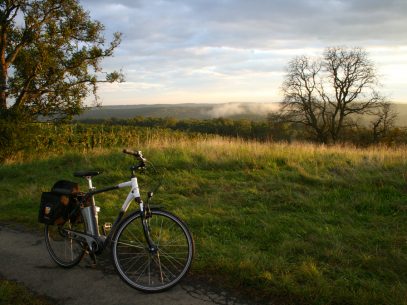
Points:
[283,223]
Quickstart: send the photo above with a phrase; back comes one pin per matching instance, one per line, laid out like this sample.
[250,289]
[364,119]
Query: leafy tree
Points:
[50,58]
[324,94]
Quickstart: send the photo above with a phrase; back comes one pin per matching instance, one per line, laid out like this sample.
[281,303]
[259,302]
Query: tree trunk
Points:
[3,93]
[3,72]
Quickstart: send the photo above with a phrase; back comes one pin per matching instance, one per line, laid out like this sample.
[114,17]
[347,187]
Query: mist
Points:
[234,109]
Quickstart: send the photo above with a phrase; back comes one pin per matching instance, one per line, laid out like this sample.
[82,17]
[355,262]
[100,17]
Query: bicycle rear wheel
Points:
[147,271]
[63,249]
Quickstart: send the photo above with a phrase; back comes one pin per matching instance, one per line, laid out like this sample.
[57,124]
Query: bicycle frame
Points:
[134,193]
[102,241]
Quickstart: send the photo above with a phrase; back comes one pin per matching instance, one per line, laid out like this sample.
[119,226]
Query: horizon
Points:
[210,51]
[200,103]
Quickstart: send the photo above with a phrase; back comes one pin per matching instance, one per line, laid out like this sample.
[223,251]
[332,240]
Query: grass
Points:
[292,224]
[13,293]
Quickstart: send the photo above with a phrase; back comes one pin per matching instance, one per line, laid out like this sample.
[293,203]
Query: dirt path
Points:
[24,258]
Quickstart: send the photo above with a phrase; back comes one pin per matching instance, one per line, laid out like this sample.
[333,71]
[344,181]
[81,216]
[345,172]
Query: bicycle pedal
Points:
[93,258]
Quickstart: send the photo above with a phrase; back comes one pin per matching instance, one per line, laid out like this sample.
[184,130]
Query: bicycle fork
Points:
[145,216]
[153,248]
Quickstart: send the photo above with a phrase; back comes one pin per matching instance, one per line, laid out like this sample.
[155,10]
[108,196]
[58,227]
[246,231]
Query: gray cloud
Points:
[170,41]
[251,24]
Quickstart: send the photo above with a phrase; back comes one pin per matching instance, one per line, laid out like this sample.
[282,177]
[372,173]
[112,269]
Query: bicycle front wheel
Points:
[153,271]
[63,249]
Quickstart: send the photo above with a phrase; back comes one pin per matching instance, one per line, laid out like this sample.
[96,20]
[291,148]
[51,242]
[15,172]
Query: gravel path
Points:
[24,258]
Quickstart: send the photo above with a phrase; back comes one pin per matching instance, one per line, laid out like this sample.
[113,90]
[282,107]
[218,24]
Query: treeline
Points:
[45,138]
[264,130]
[241,128]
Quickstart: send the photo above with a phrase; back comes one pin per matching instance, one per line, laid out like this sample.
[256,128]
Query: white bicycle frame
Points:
[134,194]
[91,218]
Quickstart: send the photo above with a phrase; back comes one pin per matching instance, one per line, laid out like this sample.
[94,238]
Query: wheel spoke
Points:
[138,267]
[172,260]
[135,237]
[141,273]
[168,270]
[123,244]
[126,254]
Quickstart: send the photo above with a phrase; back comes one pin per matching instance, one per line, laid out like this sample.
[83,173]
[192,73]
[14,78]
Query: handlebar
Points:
[138,154]
[142,164]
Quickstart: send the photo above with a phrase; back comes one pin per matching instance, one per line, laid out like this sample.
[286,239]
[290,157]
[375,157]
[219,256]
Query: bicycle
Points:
[152,249]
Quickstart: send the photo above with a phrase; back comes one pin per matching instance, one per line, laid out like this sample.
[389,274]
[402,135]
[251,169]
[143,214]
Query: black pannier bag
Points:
[60,204]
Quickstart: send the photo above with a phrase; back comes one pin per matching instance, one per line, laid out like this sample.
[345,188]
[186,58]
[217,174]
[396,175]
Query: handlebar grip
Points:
[130,152]
[136,154]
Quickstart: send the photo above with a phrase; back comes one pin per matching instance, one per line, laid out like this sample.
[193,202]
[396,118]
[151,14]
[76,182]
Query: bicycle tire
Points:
[64,251]
[153,272]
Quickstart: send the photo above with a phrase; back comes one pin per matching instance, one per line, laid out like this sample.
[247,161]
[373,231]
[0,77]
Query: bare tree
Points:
[384,122]
[324,93]
[301,103]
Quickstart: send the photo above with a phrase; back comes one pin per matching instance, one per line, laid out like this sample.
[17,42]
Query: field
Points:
[289,224]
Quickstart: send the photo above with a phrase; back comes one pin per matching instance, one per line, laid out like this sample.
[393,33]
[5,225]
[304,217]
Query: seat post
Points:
[89,178]
[91,188]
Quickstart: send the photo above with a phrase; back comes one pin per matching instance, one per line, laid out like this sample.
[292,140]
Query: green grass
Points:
[12,293]
[293,224]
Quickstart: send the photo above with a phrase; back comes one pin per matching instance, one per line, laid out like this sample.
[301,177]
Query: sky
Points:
[219,51]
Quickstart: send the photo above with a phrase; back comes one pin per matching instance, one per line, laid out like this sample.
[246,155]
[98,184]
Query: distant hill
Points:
[252,111]
[130,111]
[401,109]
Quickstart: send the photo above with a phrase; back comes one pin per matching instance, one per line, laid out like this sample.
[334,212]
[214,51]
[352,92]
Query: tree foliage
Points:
[325,94]
[50,57]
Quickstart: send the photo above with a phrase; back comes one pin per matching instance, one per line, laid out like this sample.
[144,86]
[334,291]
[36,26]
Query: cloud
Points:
[156,25]
[204,45]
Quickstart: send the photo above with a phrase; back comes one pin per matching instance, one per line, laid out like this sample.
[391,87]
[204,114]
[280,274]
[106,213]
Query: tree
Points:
[325,93]
[50,57]
[384,122]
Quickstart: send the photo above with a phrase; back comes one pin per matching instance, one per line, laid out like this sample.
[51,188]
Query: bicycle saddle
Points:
[86,173]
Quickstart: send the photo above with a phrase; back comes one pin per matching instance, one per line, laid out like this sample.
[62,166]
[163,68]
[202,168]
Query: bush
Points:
[14,137]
